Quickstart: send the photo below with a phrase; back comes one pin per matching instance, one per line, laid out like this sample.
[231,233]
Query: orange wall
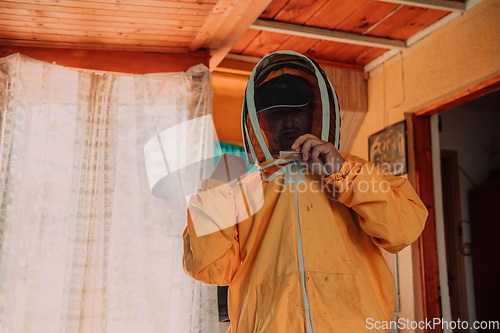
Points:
[451,60]
[229,92]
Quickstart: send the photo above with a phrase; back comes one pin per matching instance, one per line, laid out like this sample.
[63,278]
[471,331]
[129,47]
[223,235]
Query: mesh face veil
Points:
[326,118]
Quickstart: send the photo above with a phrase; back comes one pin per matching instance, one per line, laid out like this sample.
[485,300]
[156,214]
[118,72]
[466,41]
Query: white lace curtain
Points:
[85,247]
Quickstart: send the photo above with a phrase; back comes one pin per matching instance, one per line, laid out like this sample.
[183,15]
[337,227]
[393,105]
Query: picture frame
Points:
[388,149]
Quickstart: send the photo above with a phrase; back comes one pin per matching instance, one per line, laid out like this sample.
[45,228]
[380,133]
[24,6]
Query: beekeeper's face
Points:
[283,125]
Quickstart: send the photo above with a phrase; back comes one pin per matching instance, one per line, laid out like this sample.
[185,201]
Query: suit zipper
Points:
[301,255]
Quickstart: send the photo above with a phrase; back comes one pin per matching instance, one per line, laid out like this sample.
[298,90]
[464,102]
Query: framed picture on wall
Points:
[387,149]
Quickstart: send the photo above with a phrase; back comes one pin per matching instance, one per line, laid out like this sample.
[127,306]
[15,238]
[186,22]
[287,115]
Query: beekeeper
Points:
[299,242]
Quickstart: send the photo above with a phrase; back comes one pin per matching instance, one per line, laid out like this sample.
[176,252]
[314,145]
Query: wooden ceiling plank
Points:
[427,31]
[221,10]
[243,42]
[190,1]
[446,5]
[37,9]
[367,16]
[349,53]
[299,11]
[174,19]
[382,20]
[298,44]
[144,8]
[233,28]
[30,31]
[334,13]
[7,21]
[424,20]
[175,28]
[92,46]
[325,34]
[202,5]
[88,39]
[395,22]
[324,50]
[274,7]
[265,43]
[370,55]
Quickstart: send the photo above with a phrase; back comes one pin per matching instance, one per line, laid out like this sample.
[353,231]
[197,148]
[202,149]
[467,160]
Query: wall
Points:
[459,56]
[454,58]
[229,92]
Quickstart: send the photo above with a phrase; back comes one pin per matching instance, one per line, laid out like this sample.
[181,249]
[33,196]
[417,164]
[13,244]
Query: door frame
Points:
[426,246]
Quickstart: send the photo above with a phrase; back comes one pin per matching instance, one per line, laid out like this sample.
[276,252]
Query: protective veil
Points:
[308,259]
[326,117]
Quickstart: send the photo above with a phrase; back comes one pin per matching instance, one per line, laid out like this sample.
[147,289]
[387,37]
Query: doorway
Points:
[466,142]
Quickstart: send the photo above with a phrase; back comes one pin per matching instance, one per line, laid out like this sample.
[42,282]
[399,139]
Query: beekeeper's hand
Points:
[230,169]
[321,157]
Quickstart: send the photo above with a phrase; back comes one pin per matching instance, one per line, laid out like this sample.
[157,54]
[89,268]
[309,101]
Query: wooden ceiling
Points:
[134,25]
[176,26]
[353,33]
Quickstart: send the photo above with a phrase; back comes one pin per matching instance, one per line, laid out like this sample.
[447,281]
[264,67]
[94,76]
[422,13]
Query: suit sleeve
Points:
[389,209]
[211,248]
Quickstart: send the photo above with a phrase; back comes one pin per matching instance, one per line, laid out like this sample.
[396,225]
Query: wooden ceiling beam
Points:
[453,6]
[110,61]
[326,34]
[244,13]
[219,13]
[254,60]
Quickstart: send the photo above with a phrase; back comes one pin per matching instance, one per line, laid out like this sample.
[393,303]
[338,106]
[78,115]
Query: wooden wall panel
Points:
[351,88]
[350,123]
